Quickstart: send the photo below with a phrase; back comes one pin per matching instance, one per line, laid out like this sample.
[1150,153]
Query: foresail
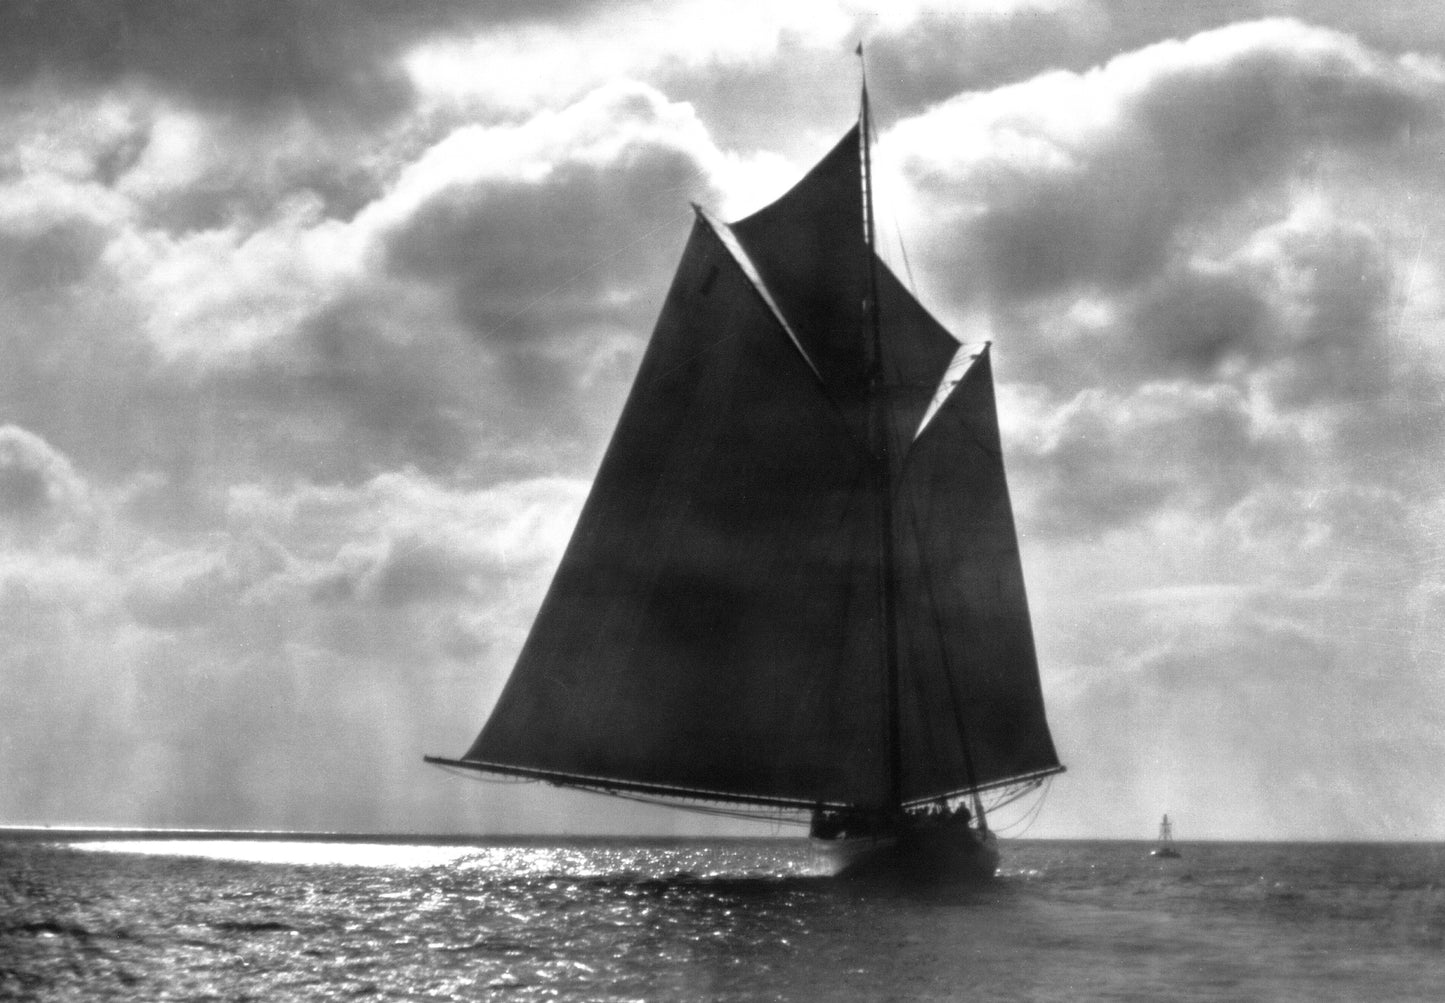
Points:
[972,712]
[712,627]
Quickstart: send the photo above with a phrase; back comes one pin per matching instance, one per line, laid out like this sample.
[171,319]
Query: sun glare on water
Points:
[598,859]
[287,852]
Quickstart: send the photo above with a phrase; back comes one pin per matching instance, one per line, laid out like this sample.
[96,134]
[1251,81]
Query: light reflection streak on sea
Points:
[225,919]
[623,861]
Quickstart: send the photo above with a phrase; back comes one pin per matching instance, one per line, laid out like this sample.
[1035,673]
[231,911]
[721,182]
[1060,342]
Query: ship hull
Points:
[941,854]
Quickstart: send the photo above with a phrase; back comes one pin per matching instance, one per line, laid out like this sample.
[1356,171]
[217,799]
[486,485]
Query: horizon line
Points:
[67,832]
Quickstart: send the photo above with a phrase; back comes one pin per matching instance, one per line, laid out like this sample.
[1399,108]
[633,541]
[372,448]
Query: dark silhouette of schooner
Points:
[795,588]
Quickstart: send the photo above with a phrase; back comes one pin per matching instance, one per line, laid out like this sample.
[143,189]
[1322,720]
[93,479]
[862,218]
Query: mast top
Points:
[863,90]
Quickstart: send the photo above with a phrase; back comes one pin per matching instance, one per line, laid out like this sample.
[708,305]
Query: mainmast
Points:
[882,469]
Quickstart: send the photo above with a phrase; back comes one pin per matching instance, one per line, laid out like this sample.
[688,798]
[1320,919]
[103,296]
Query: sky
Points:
[315,319]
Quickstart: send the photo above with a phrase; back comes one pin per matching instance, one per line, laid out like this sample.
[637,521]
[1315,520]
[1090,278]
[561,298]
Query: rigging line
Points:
[1398,314]
[1038,808]
[1017,783]
[777,815]
[903,248]
[1005,796]
[1028,819]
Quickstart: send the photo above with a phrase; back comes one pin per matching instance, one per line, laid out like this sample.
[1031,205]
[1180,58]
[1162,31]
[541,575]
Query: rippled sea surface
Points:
[84,918]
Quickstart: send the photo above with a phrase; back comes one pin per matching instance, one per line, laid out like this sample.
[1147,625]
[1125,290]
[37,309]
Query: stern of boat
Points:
[934,849]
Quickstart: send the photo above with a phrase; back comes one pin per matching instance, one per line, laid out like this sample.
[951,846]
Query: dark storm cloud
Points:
[246,55]
[338,399]
[1197,318]
[1108,462]
[946,51]
[525,258]
[60,254]
[1292,325]
[1303,301]
[408,395]
[558,273]
[1087,179]
[368,383]
[262,349]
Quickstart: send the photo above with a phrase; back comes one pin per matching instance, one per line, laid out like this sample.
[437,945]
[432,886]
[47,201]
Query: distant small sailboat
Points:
[1165,848]
[796,586]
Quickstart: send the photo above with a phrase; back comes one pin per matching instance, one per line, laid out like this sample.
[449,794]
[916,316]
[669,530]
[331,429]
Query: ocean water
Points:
[239,919]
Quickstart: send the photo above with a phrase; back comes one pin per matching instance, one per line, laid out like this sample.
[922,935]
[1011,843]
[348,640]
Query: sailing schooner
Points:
[795,585]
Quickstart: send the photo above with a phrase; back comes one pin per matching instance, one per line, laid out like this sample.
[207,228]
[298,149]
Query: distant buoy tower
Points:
[1165,848]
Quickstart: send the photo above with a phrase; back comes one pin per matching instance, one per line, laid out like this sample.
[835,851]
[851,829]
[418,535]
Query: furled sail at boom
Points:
[713,630]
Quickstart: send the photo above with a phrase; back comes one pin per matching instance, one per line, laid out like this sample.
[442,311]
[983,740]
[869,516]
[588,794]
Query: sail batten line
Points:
[608,785]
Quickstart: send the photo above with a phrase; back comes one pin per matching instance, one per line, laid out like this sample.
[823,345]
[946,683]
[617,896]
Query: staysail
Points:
[972,708]
[713,629]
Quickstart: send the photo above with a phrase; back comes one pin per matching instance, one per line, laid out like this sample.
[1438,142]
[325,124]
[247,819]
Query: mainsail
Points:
[714,629]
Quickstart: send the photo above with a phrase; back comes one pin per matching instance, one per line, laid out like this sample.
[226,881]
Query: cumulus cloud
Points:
[315,327]
[1086,179]
[503,207]
[1104,461]
[519,269]
[1189,325]
[38,485]
[177,589]
[1332,283]
[406,542]
[243,56]
[1303,302]
[552,239]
